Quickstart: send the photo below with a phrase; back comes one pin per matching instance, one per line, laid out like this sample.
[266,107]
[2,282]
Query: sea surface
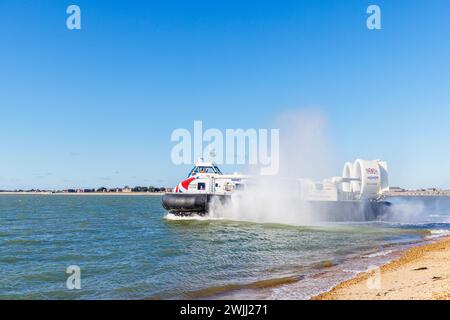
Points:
[128,247]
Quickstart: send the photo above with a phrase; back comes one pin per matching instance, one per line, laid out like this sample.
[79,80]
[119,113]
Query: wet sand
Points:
[422,273]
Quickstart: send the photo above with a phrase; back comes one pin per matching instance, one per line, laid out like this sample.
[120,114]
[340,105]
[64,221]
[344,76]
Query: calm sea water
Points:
[127,248]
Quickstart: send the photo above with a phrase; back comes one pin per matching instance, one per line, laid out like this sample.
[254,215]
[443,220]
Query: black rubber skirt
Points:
[189,203]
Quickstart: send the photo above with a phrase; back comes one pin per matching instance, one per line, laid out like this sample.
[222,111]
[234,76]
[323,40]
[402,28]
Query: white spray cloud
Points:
[304,153]
[304,148]
[407,211]
[418,210]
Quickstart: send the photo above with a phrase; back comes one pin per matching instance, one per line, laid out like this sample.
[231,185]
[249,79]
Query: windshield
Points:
[203,169]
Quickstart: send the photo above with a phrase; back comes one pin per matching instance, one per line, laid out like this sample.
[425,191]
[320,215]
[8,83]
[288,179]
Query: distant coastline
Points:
[126,191]
[83,194]
[430,192]
[393,192]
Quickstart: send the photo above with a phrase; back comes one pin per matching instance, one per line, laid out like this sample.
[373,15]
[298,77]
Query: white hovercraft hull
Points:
[185,204]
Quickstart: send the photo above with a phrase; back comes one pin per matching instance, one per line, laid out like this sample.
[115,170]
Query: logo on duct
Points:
[372,171]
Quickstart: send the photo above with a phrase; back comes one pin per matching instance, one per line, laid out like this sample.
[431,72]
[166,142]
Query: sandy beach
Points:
[422,273]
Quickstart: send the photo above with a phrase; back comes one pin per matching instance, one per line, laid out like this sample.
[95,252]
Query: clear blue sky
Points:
[97,106]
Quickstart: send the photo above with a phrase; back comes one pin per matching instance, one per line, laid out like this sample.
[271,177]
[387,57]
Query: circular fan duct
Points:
[347,173]
[368,185]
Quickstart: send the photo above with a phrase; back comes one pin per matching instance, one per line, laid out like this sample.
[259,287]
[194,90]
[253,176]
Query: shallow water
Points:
[127,247]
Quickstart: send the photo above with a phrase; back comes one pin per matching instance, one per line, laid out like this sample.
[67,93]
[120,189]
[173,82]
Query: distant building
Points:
[127,189]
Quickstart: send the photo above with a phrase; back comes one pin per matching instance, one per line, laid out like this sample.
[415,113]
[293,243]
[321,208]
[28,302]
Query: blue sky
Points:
[96,107]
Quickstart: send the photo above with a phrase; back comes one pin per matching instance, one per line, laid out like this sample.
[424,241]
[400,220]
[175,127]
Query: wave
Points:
[21,241]
[378,254]
[438,233]
[216,291]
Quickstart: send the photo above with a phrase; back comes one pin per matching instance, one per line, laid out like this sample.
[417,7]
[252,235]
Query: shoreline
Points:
[81,193]
[421,273]
[416,194]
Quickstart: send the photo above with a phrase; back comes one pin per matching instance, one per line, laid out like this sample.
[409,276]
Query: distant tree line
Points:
[129,189]
[101,190]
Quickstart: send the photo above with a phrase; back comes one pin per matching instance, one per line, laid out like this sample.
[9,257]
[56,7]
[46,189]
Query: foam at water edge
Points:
[438,233]
[378,254]
[173,217]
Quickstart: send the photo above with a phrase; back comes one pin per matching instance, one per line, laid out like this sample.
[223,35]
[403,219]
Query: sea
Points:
[129,247]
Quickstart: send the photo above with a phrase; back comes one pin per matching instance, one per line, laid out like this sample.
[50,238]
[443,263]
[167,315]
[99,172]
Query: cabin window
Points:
[192,172]
[201,186]
[203,169]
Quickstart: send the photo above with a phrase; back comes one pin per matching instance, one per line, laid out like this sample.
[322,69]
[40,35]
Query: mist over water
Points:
[418,210]
[304,148]
[268,201]
[407,211]
[304,153]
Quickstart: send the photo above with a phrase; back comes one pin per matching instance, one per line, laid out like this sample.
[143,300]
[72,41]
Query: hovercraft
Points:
[204,185]
[357,195]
